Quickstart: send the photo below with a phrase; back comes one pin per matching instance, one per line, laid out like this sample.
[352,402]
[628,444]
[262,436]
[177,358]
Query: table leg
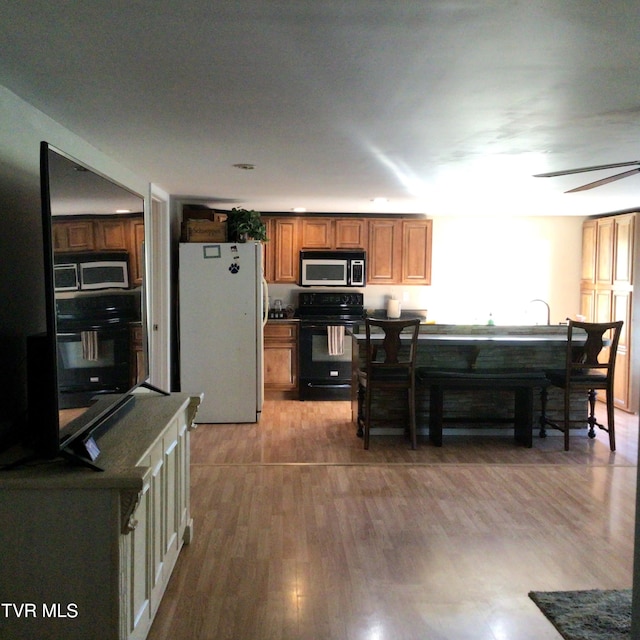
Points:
[523,416]
[436,401]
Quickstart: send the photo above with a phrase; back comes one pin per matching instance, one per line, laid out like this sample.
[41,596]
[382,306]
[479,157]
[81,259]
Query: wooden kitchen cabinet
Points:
[399,251]
[351,233]
[589,229]
[268,250]
[384,252]
[604,251]
[416,251]
[286,250]
[398,248]
[623,238]
[317,233]
[75,235]
[609,269]
[333,233]
[137,359]
[281,357]
[136,250]
[112,234]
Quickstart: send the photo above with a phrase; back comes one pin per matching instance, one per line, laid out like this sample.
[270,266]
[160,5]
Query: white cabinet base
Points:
[88,554]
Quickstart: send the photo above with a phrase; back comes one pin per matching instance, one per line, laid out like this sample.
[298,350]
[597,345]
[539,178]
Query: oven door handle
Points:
[315,385]
[324,325]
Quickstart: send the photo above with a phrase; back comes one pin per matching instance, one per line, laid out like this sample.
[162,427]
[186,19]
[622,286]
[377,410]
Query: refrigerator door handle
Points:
[265,301]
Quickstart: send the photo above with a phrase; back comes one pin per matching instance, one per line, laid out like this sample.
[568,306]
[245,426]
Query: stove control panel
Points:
[330,299]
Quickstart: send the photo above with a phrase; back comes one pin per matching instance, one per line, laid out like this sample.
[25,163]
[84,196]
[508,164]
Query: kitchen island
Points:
[469,348]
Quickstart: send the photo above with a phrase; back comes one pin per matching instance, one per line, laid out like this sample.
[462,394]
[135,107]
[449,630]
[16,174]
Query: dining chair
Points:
[589,366]
[391,347]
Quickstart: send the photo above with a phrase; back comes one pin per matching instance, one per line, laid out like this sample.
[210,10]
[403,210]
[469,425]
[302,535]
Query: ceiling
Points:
[442,107]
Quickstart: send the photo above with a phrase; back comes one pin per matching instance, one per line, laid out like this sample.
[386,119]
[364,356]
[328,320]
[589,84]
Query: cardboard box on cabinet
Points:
[204,231]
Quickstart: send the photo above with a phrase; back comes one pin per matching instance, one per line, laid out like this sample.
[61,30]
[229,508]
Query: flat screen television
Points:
[83,371]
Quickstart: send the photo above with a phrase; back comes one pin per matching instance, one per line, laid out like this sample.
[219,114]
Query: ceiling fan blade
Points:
[598,183]
[553,174]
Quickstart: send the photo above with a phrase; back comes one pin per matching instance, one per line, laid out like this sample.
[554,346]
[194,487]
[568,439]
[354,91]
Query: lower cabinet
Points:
[91,553]
[281,357]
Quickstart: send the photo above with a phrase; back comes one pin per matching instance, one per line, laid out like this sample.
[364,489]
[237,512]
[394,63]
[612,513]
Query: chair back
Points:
[591,358]
[393,354]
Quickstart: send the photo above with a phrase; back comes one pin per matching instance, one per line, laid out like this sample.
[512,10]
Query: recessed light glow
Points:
[380,200]
[123,210]
[299,209]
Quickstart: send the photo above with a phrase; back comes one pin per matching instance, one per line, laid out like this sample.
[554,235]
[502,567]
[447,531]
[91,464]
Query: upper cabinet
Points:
[398,248]
[351,233]
[416,251]
[317,233]
[589,229]
[333,233]
[384,255]
[283,249]
[604,253]
[73,235]
[399,251]
[623,239]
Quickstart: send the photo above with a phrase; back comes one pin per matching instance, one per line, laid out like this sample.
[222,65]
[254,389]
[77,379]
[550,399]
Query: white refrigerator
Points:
[223,309]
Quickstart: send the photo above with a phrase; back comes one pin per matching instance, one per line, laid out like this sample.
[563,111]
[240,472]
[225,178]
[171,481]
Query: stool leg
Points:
[367,415]
[544,395]
[611,426]
[412,417]
[567,406]
[360,418]
[591,420]
[435,414]
[523,416]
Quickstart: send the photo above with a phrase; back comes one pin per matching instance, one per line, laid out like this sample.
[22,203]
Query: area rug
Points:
[587,615]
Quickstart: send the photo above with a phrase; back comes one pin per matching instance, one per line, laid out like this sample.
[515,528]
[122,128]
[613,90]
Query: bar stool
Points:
[589,366]
[390,364]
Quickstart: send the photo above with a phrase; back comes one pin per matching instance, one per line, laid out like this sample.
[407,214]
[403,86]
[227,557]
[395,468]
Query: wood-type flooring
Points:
[301,534]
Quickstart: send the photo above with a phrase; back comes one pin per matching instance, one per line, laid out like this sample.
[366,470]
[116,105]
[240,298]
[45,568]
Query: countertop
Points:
[516,335]
[462,339]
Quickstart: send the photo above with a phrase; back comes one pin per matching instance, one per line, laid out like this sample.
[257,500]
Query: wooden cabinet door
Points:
[621,310]
[350,233]
[136,250]
[602,305]
[281,356]
[623,250]
[604,254]
[587,304]
[112,234]
[137,568]
[268,250]
[385,251]
[589,251]
[416,251]
[73,236]
[286,250]
[137,358]
[317,233]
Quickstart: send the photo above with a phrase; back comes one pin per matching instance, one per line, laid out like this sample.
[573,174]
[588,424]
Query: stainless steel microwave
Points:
[332,269]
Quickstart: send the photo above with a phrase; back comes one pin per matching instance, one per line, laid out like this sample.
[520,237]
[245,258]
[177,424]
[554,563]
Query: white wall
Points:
[490,265]
[497,265]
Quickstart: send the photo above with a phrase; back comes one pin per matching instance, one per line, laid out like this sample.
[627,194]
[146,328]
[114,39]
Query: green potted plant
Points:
[245,224]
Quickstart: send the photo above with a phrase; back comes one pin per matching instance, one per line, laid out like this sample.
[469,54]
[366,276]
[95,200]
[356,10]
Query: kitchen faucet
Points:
[546,304]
